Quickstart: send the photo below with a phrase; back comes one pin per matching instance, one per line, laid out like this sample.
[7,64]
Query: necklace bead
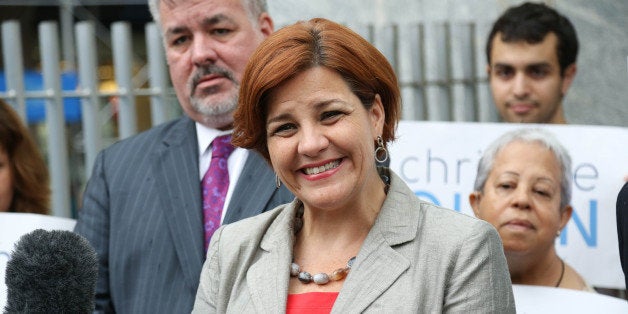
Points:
[305,277]
[320,278]
[294,269]
[339,274]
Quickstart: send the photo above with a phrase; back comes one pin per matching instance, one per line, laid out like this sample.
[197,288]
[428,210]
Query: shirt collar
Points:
[205,136]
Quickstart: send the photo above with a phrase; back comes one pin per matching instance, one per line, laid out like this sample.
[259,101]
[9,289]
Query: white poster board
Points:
[13,226]
[438,160]
[541,300]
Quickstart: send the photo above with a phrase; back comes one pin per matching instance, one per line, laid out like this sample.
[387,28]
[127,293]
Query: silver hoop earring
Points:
[381,150]
[277,181]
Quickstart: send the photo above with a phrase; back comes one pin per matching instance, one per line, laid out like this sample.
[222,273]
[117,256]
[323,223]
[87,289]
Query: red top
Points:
[311,302]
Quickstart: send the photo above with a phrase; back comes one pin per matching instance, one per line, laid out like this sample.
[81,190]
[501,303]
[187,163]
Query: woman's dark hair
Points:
[30,174]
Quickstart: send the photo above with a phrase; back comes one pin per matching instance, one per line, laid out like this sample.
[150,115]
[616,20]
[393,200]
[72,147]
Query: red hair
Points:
[299,47]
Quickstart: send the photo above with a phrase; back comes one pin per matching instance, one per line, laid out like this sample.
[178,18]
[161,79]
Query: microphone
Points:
[51,272]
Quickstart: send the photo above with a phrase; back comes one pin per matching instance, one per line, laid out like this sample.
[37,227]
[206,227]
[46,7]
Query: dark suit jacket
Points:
[417,258]
[142,213]
[622,229]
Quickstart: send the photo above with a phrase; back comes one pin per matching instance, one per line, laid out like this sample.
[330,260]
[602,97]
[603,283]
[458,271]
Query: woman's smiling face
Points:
[321,138]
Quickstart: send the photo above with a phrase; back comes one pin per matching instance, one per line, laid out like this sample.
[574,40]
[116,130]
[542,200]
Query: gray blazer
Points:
[142,213]
[417,258]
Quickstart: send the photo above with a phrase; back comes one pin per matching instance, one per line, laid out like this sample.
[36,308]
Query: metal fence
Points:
[441,68]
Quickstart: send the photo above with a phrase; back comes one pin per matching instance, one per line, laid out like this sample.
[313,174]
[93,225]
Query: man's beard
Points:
[215,114]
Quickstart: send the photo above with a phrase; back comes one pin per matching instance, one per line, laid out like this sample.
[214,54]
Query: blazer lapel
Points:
[176,171]
[254,189]
[378,264]
[269,276]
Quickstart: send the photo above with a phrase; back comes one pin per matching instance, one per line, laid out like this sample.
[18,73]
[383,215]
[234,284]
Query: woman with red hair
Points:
[321,104]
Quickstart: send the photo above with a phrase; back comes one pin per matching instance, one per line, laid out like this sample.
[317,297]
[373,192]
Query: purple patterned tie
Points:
[215,185]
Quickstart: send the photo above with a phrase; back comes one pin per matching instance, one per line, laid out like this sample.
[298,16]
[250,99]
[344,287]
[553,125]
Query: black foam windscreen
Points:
[51,272]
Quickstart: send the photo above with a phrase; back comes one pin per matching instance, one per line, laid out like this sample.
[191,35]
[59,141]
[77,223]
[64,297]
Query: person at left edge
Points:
[24,179]
[142,208]
[320,104]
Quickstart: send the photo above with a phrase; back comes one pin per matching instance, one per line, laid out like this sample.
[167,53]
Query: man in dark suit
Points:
[142,208]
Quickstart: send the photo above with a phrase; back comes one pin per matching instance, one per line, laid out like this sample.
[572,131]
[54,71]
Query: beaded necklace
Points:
[320,278]
[340,273]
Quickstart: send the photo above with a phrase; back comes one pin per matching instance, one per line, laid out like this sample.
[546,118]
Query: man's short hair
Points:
[254,7]
[531,22]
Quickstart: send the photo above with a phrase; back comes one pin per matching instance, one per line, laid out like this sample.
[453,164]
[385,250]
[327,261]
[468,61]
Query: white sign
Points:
[15,225]
[535,299]
[438,160]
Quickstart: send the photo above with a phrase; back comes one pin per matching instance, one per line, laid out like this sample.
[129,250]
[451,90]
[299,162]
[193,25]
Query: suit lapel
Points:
[269,276]
[176,171]
[378,264]
[254,189]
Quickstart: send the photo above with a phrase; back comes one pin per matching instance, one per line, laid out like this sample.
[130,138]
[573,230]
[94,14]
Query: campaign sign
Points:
[15,225]
[438,160]
[536,299]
